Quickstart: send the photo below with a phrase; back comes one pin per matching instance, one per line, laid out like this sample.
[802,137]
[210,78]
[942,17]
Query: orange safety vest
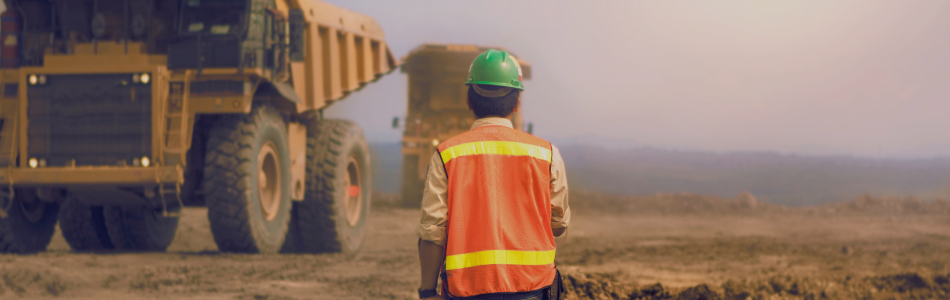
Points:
[499,237]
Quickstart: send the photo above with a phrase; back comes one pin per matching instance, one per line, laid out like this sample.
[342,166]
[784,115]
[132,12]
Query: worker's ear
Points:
[517,104]
[468,100]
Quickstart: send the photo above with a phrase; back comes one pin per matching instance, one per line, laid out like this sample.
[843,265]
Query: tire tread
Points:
[84,226]
[226,180]
[315,217]
[17,235]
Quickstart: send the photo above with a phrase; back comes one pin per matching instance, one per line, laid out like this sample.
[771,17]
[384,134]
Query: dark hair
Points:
[488,106]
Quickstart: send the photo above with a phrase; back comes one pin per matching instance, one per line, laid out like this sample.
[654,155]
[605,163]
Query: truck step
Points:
[169,190]
[170,193]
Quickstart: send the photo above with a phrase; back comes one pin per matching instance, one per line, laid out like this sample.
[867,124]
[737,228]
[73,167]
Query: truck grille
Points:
[101,119]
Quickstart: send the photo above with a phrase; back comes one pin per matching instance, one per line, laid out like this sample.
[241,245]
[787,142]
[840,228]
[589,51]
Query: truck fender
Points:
[281,95]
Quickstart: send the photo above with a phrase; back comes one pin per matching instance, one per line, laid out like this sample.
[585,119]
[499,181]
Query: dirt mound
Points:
[671,203]
[912,285]
[651,292]
[606,286]
[27,284]
[784,286]
[599,286]
[699,292]
[889,205]
[746,200]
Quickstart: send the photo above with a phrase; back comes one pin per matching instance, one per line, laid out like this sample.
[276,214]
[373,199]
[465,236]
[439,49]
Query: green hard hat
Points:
[495,67]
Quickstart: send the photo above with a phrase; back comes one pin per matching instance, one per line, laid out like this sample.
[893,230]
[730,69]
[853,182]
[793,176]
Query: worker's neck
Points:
[495,116]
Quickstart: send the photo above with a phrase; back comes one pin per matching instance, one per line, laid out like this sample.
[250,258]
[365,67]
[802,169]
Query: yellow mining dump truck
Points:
[116,113]
[438,107]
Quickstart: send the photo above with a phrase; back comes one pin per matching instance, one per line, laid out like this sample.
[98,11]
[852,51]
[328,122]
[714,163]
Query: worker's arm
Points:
[431,228]
[431,256]
[560,210]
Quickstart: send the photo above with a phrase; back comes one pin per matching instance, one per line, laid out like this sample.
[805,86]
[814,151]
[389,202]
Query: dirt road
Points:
[791,254]
[193,269]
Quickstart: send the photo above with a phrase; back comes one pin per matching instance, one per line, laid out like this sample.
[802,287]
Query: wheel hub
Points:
[352,200]
[269,179]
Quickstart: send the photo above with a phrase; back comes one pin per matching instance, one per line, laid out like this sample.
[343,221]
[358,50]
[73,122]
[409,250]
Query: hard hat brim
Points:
[518,87]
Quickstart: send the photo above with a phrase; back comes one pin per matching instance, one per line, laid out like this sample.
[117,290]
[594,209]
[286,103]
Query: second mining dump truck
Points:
[437,107]
[117,113]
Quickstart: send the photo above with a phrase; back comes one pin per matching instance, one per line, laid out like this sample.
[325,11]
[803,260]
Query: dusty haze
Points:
[863,78]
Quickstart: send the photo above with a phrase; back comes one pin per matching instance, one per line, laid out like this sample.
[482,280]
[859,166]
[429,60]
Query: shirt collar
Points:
[492,121]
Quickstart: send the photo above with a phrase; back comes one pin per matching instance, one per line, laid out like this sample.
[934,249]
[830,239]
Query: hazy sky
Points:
[860,77]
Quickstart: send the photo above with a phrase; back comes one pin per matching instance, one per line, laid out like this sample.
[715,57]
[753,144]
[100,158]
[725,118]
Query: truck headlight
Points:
[36,79]
[143,78]
[33,163]
[141,162]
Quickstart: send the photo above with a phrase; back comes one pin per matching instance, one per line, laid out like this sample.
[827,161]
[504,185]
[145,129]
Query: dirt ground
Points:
[659,247]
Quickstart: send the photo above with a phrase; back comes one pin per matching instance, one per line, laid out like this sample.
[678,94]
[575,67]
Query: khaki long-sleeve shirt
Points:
[435,194]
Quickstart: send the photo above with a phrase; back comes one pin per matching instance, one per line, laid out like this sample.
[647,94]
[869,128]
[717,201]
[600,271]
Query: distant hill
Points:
[781,179]
[774,178]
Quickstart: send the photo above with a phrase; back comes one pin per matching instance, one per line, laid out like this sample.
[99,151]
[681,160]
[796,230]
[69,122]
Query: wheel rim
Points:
[33,211]
[352,201]
[269,181]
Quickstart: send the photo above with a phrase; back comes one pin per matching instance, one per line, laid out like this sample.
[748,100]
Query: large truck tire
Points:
[332,217]
[139,228]
[411,185]
[247,181]
[84,226]
[29,223]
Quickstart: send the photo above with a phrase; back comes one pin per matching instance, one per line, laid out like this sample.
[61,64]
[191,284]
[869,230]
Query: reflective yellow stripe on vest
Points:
[499,257]
[496,147]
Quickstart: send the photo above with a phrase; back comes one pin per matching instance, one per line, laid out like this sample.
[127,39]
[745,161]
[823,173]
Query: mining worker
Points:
[494,199]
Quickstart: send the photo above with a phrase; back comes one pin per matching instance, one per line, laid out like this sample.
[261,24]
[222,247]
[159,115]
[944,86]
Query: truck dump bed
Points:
[347,50]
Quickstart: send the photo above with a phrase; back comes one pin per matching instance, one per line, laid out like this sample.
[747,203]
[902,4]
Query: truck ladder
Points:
[8,135]
[176,121]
